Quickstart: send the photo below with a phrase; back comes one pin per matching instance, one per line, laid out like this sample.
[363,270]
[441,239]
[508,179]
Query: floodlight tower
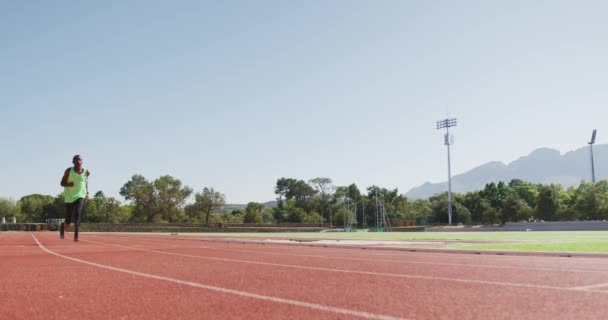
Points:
[448,140]
[591,149]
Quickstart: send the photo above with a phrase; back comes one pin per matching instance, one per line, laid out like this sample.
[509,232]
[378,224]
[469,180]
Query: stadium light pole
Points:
[448,140]
[591,149]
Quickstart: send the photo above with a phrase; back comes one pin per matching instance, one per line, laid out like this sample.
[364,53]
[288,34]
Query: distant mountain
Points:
[543,165]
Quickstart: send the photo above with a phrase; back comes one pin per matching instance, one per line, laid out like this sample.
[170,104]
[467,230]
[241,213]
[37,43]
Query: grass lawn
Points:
[575,246]
[555,241]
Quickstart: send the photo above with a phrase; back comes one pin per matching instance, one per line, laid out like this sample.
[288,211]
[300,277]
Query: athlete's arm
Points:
[64,180]
[88,174]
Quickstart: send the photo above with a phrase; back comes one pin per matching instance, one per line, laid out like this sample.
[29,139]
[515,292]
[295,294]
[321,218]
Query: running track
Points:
[114,276]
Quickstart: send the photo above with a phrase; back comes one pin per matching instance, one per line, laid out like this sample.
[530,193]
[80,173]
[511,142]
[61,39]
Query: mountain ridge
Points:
[542,165]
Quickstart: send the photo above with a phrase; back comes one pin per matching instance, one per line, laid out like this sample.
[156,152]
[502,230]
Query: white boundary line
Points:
[303,304]
[395,275]
[371,250]
[423,263]
[593,286]
[393,261]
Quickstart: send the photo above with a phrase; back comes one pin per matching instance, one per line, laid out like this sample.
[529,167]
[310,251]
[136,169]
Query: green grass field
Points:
[574,246]
[554,241]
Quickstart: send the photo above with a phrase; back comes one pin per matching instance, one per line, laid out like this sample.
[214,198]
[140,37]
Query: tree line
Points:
[318,200]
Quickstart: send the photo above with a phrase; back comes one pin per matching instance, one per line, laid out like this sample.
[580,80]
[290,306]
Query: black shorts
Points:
[73,211]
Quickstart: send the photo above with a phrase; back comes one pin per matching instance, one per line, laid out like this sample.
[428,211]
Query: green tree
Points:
[421,208]
[347,196]
[279,215]
[312,217]
[140,192]
[282,189]
[36,207]
[9,209]
[495,194]
[207,201]
[572,194]
[56,210]
[236,216]
[170,197]
[193,214]
[115,211]
[525,214]
[353,192]
[159,201]
[476,203]
[460,213]
[340,194]
[383,194]
[298,190]
[527,192]
[514,208]
[514,183]
[566,213]
[267,216]
[591,203]
[105,209]
[490,215]
[253,213]
[363,213]
[340,214]
[324,189]
[94,210]
[352,195]
[401,208]
[548,202]
[293,213]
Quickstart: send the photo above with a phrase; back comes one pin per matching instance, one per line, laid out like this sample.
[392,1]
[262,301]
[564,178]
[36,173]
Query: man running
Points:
[75,183]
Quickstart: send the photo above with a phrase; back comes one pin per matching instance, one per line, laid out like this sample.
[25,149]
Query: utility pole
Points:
[591,149]
[448,141]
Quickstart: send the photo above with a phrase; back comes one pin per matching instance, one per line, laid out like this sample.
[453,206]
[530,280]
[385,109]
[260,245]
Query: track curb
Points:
[377,245]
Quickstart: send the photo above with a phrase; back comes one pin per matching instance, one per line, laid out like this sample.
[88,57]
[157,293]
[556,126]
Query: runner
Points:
[76,191]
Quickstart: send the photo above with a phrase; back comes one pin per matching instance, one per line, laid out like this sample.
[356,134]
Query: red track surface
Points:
[113,276]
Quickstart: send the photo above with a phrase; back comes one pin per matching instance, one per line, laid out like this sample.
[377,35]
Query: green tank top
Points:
[79,190]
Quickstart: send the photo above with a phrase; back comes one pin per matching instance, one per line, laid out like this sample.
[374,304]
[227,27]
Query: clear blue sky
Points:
[236,94]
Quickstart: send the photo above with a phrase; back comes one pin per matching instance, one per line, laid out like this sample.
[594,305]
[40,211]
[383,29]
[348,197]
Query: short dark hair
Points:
[74,157]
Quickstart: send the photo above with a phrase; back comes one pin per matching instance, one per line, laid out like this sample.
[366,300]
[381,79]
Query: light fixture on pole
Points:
[448,140]
[591,149]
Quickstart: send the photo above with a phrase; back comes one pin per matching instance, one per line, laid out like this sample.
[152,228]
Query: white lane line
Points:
[424,262]
[303,304]
[594,286]
[594,270]
[392,261]
[163,244]
[579,260]
[395,275]
[429,263]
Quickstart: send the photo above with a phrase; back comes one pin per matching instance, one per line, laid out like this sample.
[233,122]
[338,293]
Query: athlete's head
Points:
[77,161]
